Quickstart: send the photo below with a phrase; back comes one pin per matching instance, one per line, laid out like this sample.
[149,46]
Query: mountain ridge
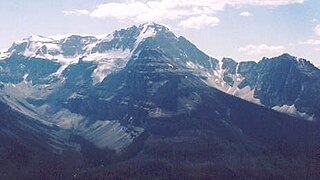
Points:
[112,52]
[152,105]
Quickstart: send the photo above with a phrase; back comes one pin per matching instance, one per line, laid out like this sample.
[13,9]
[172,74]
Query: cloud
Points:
[199,22]
[317,30]
[147,11]
[246,14]
[317,49]
[194,14]
[76,12]
[310,42]
[161,10]
[265,2]
[120,10]
[263,49]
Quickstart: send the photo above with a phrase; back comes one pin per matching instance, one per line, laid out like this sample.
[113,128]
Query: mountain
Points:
[284,83]
[45,94]
[182,117]
[144,103]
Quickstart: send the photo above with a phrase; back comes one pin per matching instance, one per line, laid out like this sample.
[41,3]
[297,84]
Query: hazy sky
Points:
[241,29]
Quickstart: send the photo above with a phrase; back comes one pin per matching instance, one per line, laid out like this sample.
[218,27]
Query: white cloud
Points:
[161,10]
[263,49]
[76,12]
[310,42]
[119,10]
[148,11]
[199,22]
[317,30]
[246,14]
[317,49]
[265,2]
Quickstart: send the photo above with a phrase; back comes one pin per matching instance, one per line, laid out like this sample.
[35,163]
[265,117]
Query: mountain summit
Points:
[142,102]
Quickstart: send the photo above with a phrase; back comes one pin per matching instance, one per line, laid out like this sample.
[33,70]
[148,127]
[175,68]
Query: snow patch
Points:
[32,48]
[4,54]
[65,62]
[191,65]
[25,77]
[17,42]
[59,37]
[108,62]
[105,38]
[52,47]
[216,80]
[37,38]
[146,32]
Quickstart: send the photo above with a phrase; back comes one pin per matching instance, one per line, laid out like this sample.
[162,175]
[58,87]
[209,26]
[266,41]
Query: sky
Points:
[240,29]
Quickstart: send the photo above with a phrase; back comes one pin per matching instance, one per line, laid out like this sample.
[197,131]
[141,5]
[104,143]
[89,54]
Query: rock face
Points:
[279,82]
[140,103]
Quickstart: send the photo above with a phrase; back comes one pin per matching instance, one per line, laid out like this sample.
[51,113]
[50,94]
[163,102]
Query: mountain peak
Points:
[38,38]
[287,56]
[226,59]
[153,25]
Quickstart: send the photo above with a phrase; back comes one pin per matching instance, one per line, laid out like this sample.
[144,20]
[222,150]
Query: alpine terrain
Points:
[143,103]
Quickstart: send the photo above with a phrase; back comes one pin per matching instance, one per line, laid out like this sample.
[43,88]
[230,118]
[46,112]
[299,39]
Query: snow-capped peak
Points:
[58,37]
[38,38]
[146,31]
[105,50]
[153,25]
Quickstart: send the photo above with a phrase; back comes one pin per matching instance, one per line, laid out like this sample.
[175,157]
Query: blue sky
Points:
[240,29]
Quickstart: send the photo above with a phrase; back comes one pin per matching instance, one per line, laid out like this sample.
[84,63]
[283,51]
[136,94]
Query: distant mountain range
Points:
[144,103]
